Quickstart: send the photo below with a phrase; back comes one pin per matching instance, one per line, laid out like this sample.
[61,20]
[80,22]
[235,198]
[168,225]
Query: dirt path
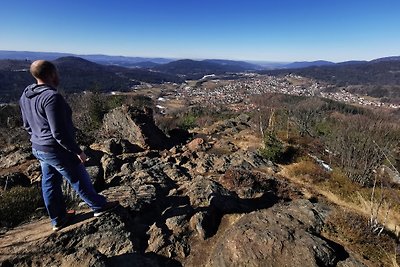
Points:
[29,235]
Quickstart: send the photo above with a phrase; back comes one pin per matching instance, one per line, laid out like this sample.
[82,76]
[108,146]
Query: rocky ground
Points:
[207,201]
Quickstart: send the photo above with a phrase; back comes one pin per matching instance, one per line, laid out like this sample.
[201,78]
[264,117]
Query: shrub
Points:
[188,122]
[18,204]
[273,147]
[359,143]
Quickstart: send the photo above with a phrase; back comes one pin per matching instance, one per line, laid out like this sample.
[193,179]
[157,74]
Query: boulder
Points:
[285,235]
[196,144]
[88,244]
[200,189]
[97,177]
[247,184]
[136,126]
[111,166]
[34,172]
[15,157]
[115,146]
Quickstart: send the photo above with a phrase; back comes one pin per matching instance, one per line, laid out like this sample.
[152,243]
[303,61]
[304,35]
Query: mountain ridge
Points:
[129,61]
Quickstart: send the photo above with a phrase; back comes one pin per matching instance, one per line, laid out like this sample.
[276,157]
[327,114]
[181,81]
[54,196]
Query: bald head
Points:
[44,72]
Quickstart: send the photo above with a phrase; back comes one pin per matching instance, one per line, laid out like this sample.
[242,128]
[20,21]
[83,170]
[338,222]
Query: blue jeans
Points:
[54,167]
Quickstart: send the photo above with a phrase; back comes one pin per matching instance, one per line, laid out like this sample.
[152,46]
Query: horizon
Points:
[195,59]
[263,31]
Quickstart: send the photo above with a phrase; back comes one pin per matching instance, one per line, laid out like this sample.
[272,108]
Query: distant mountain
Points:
[77,74]
[352,62]
[145,75]
[108,78]
[14,77]
[14,65]
[129,62]
[306,64]
[393,58]
[28,55]
[377,78]
[193,69]
[241,64]
[366,73]
[145,64]
[101,59]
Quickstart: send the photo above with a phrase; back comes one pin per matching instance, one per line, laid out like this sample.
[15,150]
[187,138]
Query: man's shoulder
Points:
[51,93]
[51,98]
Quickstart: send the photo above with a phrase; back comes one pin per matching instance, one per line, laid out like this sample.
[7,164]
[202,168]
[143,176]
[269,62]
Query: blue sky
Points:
[280,30]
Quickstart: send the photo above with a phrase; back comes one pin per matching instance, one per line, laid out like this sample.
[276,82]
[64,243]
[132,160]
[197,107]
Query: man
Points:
[48,119]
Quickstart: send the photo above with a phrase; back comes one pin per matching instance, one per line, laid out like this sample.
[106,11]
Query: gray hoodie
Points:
[48,119]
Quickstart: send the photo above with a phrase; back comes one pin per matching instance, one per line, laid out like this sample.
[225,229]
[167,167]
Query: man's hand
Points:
[82,157]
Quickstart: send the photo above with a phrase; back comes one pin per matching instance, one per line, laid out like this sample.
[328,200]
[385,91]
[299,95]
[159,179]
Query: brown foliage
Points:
[354,232]
[359,142]
[309,171]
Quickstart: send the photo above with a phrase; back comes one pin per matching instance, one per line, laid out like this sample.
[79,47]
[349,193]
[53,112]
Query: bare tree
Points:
[354,142]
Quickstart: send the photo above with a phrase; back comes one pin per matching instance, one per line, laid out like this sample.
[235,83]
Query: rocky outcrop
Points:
[284,235]
[136,126]
[189,205]
[14,157]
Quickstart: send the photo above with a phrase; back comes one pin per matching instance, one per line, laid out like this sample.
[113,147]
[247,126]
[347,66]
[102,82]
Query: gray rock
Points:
[111,166]
[157,239]
[139,260]
[231,126]
[112,146]
[285,235]
[127,168]
[176,173]
[94,156]
[134,197]
[87,256]
[136,126]
[200,189]
[177,224]
[97,177]
[247,184]
[89,244]
[34,172]
[350,262]
[15,158]
[196,224]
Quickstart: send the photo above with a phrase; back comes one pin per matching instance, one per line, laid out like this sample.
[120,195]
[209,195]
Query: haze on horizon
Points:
[287,30]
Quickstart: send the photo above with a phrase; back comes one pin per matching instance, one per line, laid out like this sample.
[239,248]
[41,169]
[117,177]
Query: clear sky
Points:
[280,30]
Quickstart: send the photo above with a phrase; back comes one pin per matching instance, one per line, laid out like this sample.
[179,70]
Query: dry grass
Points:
[308,171]
[350,225]
[352,230]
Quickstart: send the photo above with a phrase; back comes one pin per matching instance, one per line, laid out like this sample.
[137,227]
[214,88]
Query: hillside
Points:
[192,69]
[210,200]
[378,78]
[101,59]
[77,75]
[305,64]
[351,73]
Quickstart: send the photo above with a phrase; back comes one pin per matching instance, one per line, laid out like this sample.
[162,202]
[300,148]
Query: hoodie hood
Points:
[34,90]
